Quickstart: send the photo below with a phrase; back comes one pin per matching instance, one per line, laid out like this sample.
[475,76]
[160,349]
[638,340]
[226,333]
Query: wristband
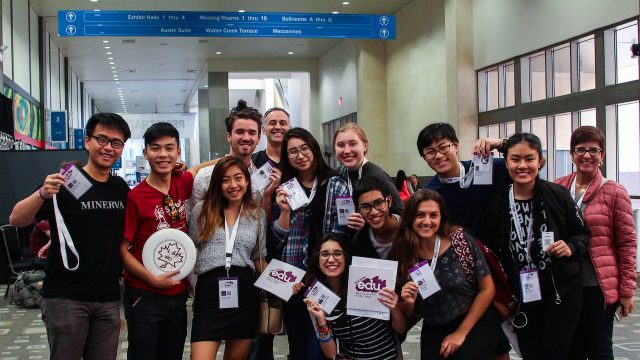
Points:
[327,339]
[40,195]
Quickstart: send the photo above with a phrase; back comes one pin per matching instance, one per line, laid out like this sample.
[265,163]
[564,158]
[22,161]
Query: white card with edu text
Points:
[482,170]
[278,278]
[75,181]
[326,298]
[296,197]
[530,283]
[422,275]
[228,292]
[260,178]
[345,207]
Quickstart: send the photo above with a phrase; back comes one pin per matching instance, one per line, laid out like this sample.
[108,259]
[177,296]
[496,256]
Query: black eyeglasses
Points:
[594,151]
[173,208]
[103,141]
[431,153]
[378,204]
[337,254]
[275,109]
[305,150]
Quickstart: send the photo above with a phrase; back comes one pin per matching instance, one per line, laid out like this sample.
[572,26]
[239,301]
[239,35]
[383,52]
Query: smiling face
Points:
[587,164]
[331,266]
[103,156]
[300,155]
[244,137]
[375,218]
[427,220]
[350,149]
[276,123]
[234,184]
[447,164]
[162,154]
[523,164]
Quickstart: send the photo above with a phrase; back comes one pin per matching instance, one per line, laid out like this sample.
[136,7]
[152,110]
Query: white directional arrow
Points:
[71,30]
[384,33]
[71,16]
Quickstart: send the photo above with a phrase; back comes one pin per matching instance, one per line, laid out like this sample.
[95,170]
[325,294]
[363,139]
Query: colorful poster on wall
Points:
[26,117]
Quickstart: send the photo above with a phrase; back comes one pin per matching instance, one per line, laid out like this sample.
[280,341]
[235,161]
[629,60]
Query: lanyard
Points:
[64,237]
[464,179]
[230,239]
[314,187]
[573,191]
[517,223]
[359,175]
[436,250]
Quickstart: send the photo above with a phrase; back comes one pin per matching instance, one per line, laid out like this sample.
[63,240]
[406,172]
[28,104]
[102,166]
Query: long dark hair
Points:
[406,247]
[211,215]
[321,170]
[314,272]
[401,177]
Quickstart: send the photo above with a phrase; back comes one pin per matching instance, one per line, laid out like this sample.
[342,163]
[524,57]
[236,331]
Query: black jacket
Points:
[361,244]
[563,218]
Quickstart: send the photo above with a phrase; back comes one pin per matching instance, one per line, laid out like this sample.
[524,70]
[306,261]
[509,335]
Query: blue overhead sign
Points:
[224,24]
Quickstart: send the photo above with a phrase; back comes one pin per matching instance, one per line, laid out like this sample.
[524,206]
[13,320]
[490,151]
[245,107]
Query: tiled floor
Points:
[23,336]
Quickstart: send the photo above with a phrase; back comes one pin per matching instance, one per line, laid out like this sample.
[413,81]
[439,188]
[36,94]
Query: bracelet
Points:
[327,339]
[40,195]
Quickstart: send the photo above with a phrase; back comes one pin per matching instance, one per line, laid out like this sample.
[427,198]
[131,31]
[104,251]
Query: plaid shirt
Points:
[294,241]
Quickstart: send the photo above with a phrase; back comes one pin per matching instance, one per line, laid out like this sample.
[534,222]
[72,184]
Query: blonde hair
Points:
[355,128]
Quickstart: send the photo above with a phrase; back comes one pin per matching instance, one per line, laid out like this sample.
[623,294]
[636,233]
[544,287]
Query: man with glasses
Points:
[81,293]
[372,200]
[466,202]
[155,306]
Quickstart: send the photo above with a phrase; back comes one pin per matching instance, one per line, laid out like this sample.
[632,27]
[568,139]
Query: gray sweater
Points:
[211,253]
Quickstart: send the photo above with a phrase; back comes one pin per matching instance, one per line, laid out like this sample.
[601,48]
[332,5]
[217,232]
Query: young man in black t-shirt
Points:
[81,293]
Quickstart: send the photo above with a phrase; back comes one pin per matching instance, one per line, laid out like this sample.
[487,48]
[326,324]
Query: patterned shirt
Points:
[294,241]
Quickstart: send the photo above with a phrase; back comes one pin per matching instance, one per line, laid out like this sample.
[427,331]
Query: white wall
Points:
[35,54]
[338,78]
[7,66]
[506,28]
[21,74]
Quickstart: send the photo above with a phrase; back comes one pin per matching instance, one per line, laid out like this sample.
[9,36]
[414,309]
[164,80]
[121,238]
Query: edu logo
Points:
[283,276]
[374,284]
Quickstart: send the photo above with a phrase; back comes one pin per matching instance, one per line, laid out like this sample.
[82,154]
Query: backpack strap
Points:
[463,251]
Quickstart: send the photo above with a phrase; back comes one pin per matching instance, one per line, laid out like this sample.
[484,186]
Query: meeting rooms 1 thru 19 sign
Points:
[225,24]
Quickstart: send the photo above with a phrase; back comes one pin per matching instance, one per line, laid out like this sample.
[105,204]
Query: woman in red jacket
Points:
[608,274]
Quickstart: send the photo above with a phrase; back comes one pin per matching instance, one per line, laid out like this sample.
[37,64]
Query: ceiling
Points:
[161,74]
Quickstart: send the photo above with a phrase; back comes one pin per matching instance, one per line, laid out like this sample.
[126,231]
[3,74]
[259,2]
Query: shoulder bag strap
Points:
[584,204]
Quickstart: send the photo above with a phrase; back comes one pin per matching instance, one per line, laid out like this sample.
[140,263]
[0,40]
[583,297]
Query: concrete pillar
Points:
[462,102]
[218,111]
[203,124]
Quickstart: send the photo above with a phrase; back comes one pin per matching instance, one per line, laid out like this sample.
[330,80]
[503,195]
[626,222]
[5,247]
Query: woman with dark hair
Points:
[226,228]
[358,337]
[297,231]
[608,274]
[457,320]
[535,229]
[401,185]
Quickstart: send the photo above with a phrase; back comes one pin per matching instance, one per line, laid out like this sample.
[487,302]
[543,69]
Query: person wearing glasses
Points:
[228,218]
[155,305]
[80,304]
[373,203]
[357,337]
[608,274]
[297,231]
[351,145]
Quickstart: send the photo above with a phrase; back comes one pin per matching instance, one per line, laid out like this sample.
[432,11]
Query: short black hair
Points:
[435,132]
[159,130]
[242,111]
[366,184]
[108,120]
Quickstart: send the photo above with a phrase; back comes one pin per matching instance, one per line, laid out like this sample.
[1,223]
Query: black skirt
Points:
[210,323]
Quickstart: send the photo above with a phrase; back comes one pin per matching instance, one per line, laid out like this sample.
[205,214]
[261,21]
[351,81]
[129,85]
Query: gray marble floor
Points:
[23,336]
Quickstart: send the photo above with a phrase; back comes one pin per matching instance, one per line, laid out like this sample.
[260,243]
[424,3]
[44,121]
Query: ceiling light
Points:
[109,58]
[114,71]
[241,11]
[218,52]
[206,86]
[112,63]
[105,41]
[107,47]
[290,53]
[116,79]
[335,12]
[345,3]
[113,67]
[117,82]
[109,53]
[94,0]
[96,10]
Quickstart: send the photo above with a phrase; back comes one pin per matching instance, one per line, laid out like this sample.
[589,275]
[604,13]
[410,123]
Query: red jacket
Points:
[612,247]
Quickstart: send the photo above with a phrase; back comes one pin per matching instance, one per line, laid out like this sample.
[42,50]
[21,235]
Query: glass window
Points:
[494,131]
[626,66]
[539,128]
[629,147]
[492,89]
[587,63]
[562,137]
[537,77]
[510,92]
[508,129]
[561,70]
[588,117]
[483,132]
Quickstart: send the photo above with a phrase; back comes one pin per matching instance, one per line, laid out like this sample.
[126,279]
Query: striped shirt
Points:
[363,337]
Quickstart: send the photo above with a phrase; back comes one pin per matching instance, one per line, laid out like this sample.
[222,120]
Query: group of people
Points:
[567,250]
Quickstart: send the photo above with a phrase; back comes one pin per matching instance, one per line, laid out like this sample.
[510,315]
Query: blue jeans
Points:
[157,324]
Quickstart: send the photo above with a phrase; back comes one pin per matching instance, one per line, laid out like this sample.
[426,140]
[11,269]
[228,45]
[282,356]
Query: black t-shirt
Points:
[260,158]
[371,169]
[95,223]
[316,211]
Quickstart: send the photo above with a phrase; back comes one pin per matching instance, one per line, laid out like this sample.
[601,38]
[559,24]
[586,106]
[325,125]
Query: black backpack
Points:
[27,290]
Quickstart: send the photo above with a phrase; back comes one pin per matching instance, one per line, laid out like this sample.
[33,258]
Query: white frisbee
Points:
[168,250]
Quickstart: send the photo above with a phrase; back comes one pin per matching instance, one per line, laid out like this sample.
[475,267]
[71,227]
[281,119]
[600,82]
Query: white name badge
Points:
[228,292]
[530,283]
[345,207]
[260,178]
[326,298]
[547,240]
[482,170]
[422,275]
[75,181]
[296,197]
